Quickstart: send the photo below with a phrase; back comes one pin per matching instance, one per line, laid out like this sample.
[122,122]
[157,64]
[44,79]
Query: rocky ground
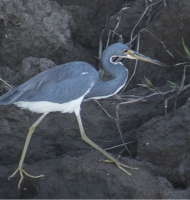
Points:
[36,35]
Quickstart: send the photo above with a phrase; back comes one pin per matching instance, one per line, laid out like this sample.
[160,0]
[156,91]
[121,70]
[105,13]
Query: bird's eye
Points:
[125,51]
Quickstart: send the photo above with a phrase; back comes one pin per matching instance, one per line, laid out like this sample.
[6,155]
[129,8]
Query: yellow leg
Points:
[112,159]
[20,165]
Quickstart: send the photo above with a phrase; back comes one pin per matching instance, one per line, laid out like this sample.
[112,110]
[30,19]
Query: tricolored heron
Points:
[63,88]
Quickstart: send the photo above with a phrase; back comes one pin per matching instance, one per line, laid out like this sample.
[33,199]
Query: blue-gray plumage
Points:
[59,84]
[62,88]
[117,71]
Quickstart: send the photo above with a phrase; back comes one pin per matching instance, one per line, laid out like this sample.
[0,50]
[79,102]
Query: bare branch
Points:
[159,41]
[119,20]
[135,68]
[142,17]
[181,89]
[105,110]
[118,146]
[181,85]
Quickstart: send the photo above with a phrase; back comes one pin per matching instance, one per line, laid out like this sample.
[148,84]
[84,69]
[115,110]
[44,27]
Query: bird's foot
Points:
[22,171]
[120,165]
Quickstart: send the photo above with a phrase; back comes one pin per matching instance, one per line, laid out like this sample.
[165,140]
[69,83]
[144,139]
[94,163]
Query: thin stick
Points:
[9,86]
[142,17]
[181,89]
[120,132]
[166,103]
[108,40]
[135,68]
[119,20]
[181,85]
[159,41]
[118,146]
[117,123]
[105,110]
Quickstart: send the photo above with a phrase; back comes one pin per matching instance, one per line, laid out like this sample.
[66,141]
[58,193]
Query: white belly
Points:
[46,107]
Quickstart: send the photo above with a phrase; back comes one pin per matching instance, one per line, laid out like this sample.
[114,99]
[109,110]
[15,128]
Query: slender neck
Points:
[115,70]
[119,76]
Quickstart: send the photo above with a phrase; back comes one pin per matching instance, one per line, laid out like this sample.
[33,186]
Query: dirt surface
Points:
[36,35]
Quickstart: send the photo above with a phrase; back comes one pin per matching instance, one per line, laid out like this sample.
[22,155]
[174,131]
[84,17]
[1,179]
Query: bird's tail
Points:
[10,97]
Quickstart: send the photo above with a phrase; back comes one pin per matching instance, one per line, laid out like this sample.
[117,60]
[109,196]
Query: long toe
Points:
[27,174]
[126,166]
[21,171]
[120,165]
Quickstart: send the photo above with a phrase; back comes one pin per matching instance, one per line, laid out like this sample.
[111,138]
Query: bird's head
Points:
[119,50]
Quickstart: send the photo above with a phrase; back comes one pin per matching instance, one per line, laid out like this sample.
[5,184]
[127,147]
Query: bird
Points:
[63,88]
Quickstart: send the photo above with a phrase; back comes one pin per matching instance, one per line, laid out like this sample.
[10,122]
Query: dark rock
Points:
[85,177]
[36,28]
[32,66]
[164,142]
[36,34]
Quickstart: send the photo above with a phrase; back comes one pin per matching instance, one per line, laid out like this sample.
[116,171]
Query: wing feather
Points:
[59,84]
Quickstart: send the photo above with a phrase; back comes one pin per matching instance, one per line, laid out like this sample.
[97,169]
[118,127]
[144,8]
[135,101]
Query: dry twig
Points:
[181,89]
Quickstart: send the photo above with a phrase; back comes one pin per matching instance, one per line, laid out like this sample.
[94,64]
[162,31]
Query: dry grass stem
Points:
[135,68]
[181,89]
[105,110]
[142,17]
[159,41]
[120,145]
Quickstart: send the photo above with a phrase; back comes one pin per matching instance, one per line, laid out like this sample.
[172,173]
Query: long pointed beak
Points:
[135,55]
